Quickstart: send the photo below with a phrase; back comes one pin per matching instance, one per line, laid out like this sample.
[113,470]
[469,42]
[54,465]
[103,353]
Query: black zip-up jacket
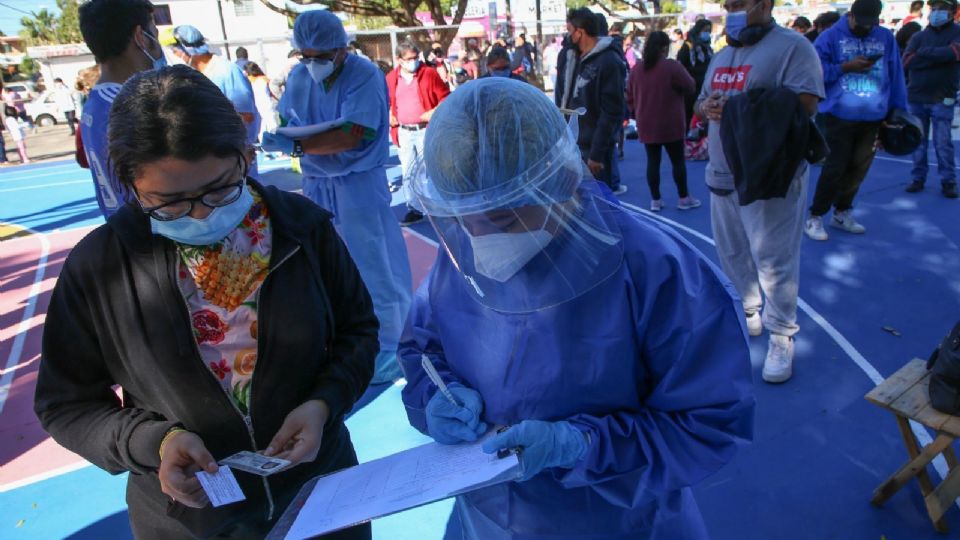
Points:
[117,317]
[598,85]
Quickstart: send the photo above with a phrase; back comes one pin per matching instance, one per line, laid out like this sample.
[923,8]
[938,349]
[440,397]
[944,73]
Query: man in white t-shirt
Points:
[759,244]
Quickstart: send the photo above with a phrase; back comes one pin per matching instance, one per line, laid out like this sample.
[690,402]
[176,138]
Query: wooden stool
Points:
[905,394]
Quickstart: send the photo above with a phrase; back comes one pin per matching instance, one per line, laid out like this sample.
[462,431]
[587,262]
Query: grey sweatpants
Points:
[759,249]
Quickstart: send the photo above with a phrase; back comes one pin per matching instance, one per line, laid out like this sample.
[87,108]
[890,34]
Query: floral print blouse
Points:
[220,283]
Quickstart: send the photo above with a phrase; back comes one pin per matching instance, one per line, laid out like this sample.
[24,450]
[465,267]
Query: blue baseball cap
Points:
[190,40]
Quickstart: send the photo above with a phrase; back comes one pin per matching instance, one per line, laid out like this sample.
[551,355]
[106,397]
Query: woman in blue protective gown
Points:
[615,352]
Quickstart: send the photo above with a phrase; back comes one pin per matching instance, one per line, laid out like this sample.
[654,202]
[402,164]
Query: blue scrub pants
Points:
[360,204]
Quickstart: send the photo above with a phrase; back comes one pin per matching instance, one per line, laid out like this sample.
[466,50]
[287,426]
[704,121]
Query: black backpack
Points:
[944,364]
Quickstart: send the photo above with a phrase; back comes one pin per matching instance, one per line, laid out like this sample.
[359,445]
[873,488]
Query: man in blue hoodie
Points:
[864,82]
[932,61]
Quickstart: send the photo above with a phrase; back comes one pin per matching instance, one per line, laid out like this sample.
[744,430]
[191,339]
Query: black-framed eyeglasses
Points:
[214,197]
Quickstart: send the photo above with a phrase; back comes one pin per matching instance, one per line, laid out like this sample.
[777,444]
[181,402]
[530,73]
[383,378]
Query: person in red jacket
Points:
[415,92]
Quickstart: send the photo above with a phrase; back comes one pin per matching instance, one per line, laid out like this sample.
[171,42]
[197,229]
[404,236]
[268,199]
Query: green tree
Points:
[45,28]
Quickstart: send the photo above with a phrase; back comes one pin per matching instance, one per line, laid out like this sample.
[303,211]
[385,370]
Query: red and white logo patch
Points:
[730,78]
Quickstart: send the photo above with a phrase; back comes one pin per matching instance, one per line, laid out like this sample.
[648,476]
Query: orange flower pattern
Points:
[220,283]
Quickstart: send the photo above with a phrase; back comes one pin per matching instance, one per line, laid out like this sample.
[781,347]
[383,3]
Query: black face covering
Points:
[861,31]
[752,34]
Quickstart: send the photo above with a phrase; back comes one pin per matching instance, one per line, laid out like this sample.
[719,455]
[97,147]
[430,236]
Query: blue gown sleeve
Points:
[420,337]
[699,394]
[366,98]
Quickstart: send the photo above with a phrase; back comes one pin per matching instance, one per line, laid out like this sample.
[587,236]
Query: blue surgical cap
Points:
[319,30]
[190,39]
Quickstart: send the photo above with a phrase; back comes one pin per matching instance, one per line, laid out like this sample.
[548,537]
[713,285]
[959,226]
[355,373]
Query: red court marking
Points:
[25,449]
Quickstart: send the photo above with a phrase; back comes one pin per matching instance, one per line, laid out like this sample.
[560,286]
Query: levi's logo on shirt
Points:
[730,78]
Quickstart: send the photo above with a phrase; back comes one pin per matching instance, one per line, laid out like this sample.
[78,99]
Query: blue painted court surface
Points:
[819,448]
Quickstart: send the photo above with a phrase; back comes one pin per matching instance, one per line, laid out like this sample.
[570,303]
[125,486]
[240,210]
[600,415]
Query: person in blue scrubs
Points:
[612,351]
[343,168]
[189,45]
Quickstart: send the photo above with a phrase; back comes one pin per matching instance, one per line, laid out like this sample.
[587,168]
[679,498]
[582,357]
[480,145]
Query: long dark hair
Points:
[171,112]
[698,28]
[653,49]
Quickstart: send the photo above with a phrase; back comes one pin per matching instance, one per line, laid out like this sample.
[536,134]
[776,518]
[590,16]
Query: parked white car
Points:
[44,110]
[26,89]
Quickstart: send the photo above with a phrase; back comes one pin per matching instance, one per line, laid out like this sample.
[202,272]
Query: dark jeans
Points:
[941,116]
[71,120]
[675,153]
[3,150]
[851,154]
[608,175]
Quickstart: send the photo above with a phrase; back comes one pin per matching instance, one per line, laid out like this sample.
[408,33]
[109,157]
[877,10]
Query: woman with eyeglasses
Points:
[230,315]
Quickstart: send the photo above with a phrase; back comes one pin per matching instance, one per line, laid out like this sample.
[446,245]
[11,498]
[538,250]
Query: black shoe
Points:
[915,187]
[412,217]
[950,191]
[395,187]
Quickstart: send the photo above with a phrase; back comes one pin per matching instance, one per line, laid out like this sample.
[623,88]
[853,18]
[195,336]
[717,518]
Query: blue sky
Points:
[10,17]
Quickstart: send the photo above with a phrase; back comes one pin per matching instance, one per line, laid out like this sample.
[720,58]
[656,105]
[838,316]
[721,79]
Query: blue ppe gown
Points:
[652,363]
[352,185]
[230,79]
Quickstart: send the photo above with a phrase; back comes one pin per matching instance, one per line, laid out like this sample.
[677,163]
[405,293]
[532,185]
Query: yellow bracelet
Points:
[166,438]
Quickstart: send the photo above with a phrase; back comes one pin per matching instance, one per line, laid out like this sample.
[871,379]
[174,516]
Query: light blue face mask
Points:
[939,17]
[705,37]
[735,24]
[157,62]
[209,230]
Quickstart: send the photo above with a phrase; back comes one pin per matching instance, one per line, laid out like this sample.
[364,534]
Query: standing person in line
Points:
[63,97]
[12,124]
[916,13]
[207,282]
[123,38]
[595,80]
[676,41]
[932,61]
[656,91]
[801,25]
[343,168]
[189,45]
[864,79]
[3,124]
[263,97]
[498,65]
[695,55]
[821,24]
[415,91]
[759,244]
[243,58]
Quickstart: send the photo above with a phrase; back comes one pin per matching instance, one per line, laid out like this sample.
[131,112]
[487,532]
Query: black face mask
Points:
[438,53]
[861,31]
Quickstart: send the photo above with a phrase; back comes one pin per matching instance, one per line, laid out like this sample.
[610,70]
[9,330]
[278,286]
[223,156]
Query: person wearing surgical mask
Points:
[204,282]
[865,83]
[614,420]
[498,64]
[933,80]
[343,166]
[415,89]
[102,23]
[759,244]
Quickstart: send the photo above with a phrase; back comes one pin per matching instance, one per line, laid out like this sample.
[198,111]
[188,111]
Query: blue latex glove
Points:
[544,444]
[450,424]
[273,142]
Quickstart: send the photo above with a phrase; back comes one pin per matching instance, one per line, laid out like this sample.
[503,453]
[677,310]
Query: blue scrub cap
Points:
[319,30]
[496,143]
[190,40]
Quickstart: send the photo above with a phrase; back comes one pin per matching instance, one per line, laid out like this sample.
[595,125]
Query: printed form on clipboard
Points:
[398,482]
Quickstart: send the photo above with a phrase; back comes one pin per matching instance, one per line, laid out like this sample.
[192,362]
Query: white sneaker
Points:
[688,203]
[814,228]
[754,324]
[621,189]
[844,220]
[778,365]
[656,205]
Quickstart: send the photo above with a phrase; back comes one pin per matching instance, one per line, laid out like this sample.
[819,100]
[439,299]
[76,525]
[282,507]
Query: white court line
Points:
[42,175]
[875,377]
[45,475]
[41,186]
[16,350]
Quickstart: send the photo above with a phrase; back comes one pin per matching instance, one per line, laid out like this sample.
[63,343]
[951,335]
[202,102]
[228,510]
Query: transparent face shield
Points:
[529,243]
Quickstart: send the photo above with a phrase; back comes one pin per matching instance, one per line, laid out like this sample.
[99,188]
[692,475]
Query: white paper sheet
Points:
[300,132]
[405,480]
[221,487]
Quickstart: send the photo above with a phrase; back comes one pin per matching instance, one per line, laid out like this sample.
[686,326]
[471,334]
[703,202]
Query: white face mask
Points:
[410,66]
[500,256]
[319,71]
